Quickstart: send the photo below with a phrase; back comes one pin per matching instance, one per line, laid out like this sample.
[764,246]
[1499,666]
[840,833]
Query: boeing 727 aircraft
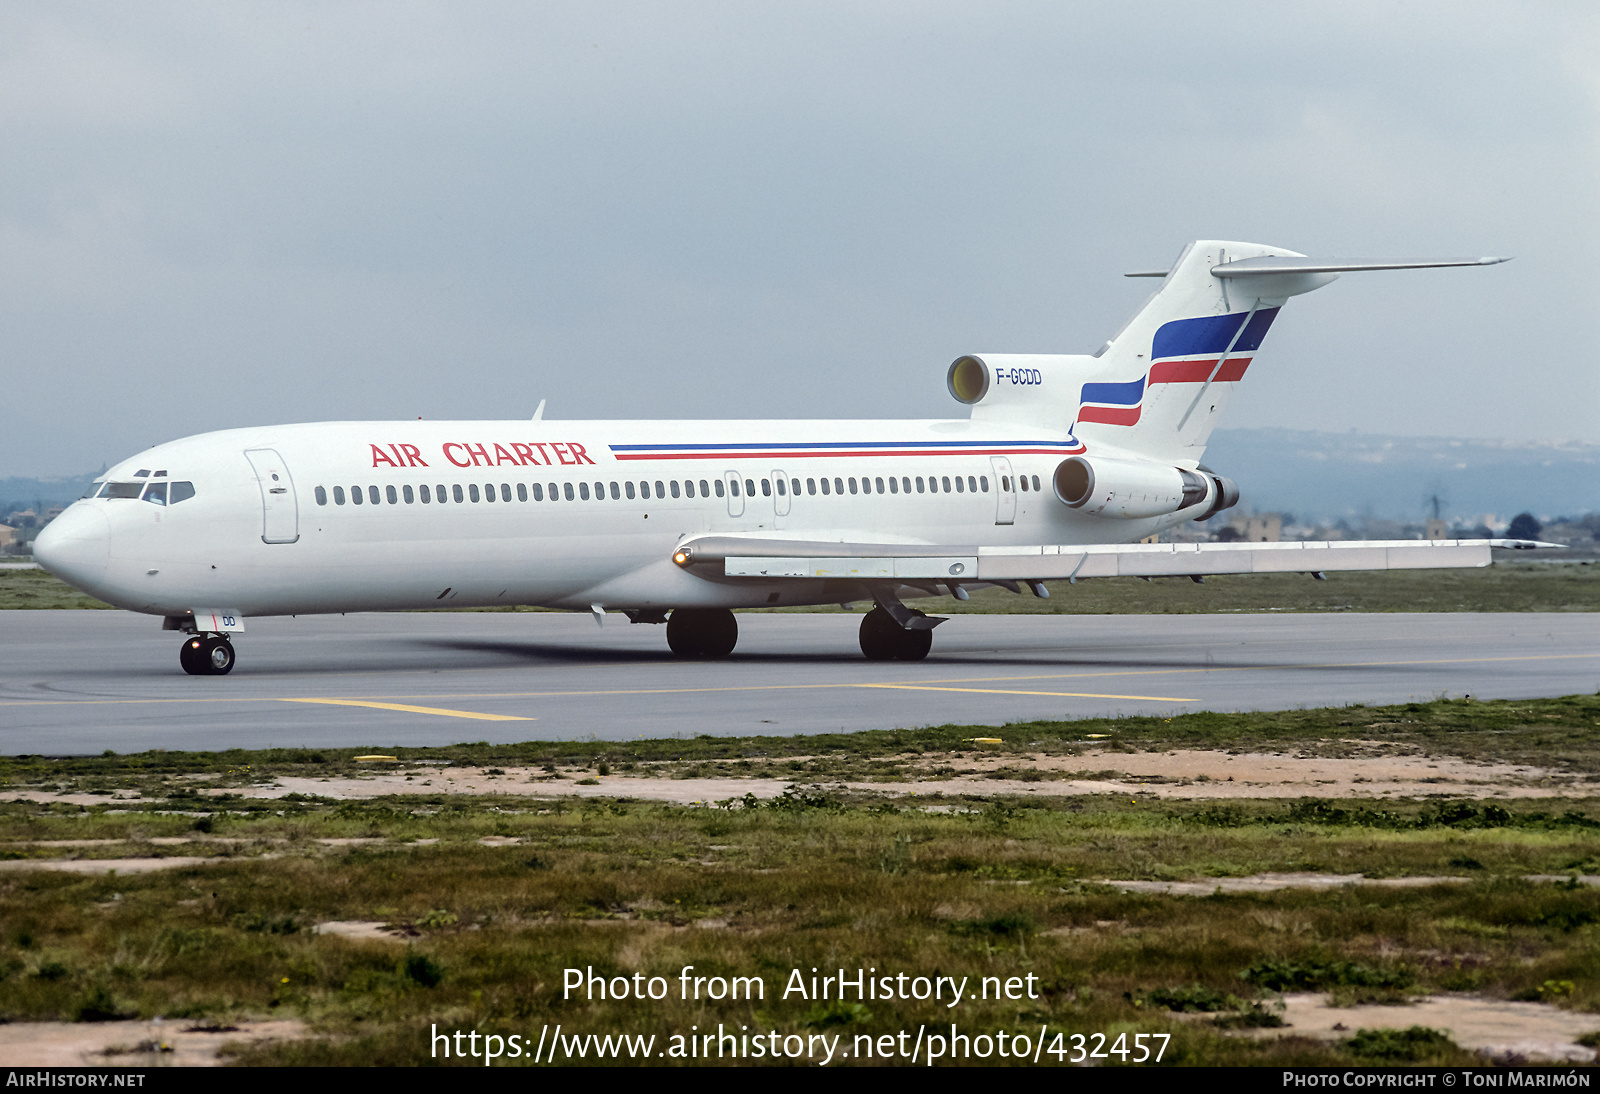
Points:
[1063,466]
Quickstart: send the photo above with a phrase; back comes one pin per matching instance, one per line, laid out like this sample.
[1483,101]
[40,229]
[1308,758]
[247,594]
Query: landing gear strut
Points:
[206,655]
[702,632]
[882,639]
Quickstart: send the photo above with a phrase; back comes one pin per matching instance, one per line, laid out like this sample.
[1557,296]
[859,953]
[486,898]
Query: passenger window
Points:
[961,487]
[156,493]
[852,484]
[438,492]
[488,492]
[522,491]
[781,491]
[427,495]
[794,487]
[583,491]
[688,488]
[538,492]
[472,491]
[674,485]
[750,487]
[322,496]
[455,489]
[879,485]
[811,485]
[627,488]
[838,485]
[825,489]
[616,492]
[372,495]
[555,494]
[566,488]
[720,491]
[599,491]
[866,484]
[705,489]
[393,495]
[905,484]
[338,495]
[183,491]
[919,484]
[407,493]
[661,489]
[1023,480]
[644,490]
[733,484]
[933,484]
[357,496]
[1036,482]
[505,491]
[766,488]
[894,485]
[983,481]
[944,482]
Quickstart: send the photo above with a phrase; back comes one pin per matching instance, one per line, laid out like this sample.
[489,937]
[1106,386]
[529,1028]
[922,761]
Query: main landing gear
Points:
[206,655]
[702,632]
[882,639]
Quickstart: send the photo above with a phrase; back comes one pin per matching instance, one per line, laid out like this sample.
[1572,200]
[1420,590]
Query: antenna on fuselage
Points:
[538,412]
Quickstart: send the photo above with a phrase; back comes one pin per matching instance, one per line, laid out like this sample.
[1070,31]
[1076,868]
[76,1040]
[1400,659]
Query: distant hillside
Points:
[1331,475]
[34,493]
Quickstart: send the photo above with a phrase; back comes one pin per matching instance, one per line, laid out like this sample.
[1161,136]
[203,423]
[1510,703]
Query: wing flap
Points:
[772,558]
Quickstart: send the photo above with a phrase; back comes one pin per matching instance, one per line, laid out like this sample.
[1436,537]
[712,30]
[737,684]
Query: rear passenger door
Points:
[733,483]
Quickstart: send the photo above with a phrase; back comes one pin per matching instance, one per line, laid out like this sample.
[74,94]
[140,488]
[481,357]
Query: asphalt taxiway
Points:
[76,682]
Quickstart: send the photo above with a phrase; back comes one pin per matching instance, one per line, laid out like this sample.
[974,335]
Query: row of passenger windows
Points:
[686,488]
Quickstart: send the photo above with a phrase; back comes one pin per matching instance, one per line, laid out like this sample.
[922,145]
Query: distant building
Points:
[1436,529]
[1260,528]
[8,536]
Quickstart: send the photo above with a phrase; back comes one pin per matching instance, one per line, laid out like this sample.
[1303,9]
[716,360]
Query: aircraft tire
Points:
[218,654]
[702,632]
[192,657]
[914,645]
[880,635]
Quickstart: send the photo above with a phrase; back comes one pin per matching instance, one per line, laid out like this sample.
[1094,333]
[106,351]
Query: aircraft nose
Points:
[75,546]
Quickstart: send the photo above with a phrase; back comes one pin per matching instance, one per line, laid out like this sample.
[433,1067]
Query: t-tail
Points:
[1157,389]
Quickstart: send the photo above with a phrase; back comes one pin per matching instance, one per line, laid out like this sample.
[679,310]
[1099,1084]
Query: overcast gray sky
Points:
[216,214]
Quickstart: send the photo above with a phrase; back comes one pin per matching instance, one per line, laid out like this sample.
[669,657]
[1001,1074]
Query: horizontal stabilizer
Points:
[1260,267]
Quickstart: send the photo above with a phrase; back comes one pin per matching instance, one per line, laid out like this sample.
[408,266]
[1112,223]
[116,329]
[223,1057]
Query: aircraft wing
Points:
[736,556]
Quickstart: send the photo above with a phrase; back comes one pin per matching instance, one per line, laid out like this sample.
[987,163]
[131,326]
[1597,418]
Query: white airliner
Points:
[1064,465]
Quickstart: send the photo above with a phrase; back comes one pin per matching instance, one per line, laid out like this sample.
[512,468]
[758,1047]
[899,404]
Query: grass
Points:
[983,886]
[1505,586]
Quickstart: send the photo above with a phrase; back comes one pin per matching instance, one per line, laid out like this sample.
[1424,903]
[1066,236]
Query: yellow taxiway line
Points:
[1010,691]
[414,710]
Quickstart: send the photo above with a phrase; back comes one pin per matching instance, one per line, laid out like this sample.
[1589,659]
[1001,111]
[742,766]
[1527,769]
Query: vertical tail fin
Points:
[1166,377]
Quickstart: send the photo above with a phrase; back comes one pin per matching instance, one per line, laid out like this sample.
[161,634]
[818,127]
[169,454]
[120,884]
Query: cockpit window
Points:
[94,489]
[123,489]
[156,493]
[180,491]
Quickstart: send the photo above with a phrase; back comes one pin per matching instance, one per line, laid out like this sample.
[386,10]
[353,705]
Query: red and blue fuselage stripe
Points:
[838,449]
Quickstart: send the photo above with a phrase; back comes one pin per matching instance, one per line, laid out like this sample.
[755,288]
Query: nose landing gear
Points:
[206,655]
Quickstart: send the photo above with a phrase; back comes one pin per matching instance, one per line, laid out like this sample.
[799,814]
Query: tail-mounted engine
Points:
[1130,489]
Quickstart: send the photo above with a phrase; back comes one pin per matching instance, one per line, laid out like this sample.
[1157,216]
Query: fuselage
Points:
[360,516]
